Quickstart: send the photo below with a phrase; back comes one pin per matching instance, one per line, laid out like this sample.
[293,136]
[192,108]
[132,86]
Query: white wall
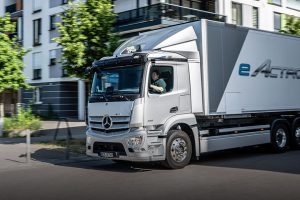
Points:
[2,7]
[9,2]
[247,15]
[46,45]
[266,12]
[295,4]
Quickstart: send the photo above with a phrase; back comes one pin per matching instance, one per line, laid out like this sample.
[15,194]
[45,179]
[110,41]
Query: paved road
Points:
[250,173]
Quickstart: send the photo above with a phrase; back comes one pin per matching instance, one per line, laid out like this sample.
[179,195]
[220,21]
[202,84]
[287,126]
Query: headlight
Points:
[135,141]
[88,140]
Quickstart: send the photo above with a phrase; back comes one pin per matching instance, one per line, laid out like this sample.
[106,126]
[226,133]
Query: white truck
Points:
[225,87]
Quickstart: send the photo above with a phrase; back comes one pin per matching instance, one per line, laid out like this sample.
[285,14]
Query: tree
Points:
[292,26]
[11,55]
[86,34]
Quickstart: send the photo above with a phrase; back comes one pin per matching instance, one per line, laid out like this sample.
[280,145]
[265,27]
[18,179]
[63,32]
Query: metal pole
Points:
[56,131]
[68,129]
[68,147]
[28,150]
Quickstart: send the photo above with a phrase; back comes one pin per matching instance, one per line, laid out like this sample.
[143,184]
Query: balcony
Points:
[16,9]
[160,15]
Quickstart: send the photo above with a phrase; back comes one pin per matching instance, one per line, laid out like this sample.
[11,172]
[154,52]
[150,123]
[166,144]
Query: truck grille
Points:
[119,124]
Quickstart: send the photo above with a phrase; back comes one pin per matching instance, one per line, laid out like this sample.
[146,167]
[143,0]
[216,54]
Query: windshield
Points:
[120,80]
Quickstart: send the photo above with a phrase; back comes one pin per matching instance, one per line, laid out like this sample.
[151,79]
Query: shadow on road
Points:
[254,158]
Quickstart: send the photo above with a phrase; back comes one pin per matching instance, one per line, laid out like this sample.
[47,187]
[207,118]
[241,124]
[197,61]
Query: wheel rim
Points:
[297,134]
[281,138]
[179,150]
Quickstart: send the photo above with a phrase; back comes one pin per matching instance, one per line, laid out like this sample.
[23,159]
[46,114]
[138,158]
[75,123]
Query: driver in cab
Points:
[158,85]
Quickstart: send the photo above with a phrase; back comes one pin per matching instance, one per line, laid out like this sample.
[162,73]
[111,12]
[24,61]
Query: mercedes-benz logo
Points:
[106,122]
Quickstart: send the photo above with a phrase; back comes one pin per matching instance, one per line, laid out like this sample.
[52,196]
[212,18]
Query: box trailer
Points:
[175,93]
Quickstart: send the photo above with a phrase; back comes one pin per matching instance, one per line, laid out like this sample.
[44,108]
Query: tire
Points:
[178,150]
[295,137]
[280,138]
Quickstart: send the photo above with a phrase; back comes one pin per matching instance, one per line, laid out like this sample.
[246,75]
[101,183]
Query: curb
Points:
[70,161]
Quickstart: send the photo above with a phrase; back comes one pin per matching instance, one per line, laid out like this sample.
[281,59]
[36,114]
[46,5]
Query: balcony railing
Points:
[163,11]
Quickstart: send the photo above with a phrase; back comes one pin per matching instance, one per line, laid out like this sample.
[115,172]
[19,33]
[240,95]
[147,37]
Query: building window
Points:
[277,22]
[237,13]
[64,72]
[161,79]
[37,65]
[176,2]
[292,4]
[37,74]
[196,4]
[37,60]
[37,5]
[52,57]
[52,22]
[20,28]
[185,3]
[64,1]
[55,56]
[255,18]
[276,2]
[37,32]
[37,95]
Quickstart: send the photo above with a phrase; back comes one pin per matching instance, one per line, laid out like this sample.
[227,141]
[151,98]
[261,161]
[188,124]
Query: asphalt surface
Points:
[251,173]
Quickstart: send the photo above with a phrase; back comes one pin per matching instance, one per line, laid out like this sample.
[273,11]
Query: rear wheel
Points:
[296,136]
[178,150]
[280,138]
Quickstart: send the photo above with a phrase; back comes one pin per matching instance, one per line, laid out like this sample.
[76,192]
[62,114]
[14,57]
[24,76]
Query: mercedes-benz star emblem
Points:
[107,122]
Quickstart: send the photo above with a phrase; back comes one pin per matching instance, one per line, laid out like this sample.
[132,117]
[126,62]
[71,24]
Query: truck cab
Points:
[127,120]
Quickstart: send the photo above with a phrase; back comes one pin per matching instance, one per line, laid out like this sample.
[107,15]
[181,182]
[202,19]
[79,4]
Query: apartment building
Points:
[57,94]
[54,93]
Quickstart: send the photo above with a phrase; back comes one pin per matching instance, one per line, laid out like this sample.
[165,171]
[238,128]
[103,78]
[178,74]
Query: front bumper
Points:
[151,148]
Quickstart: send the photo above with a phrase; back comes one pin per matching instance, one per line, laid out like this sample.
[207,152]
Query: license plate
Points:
[108,154]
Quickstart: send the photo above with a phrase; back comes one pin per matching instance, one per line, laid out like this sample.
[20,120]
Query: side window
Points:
[161,79]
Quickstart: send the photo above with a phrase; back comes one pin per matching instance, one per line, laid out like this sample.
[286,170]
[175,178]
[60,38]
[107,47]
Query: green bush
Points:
[22,121]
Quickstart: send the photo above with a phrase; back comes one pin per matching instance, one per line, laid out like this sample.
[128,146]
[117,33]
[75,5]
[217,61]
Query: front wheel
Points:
[178,150]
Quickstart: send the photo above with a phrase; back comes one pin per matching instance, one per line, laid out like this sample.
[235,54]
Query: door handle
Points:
[174,109]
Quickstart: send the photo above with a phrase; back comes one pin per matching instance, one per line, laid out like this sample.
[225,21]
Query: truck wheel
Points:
[296,136]
[178,150]
[280,138]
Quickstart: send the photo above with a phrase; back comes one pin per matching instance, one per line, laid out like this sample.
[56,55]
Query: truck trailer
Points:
[221,87]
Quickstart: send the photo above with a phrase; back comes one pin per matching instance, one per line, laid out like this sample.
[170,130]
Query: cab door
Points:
[159,107]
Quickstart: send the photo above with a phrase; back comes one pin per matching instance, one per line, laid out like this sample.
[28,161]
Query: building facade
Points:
[57,94]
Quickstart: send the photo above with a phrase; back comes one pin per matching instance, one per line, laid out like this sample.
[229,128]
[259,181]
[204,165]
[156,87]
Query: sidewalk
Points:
[12,150]
[47,132]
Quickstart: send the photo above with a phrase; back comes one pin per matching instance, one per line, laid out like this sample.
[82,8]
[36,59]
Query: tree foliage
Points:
[86,34]
[292,26]
[11,55]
